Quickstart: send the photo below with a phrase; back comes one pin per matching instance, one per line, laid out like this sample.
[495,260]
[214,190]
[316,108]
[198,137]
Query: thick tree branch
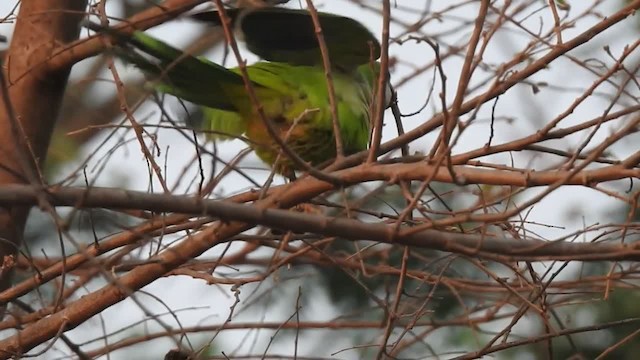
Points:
[487,246]
[32,94]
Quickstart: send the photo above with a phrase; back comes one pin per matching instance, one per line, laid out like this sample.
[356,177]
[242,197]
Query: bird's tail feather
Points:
[176,72]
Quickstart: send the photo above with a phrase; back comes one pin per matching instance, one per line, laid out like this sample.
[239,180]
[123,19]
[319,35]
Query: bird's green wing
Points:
[284,91]
[288,35]
[298,95]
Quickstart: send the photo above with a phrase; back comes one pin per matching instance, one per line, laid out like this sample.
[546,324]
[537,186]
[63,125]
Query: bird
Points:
[289,83]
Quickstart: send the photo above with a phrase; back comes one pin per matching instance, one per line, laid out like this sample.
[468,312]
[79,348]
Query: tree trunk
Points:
[29,106]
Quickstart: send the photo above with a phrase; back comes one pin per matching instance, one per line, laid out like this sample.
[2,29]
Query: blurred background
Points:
[340,298]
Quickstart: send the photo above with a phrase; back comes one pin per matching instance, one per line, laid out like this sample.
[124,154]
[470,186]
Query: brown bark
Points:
[30,104]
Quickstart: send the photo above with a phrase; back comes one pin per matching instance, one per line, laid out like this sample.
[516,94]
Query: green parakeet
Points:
[292,90]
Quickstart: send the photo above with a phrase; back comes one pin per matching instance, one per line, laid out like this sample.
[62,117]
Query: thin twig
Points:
[326,63]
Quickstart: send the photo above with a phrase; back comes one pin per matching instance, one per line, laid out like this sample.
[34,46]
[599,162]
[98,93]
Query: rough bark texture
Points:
[35,94]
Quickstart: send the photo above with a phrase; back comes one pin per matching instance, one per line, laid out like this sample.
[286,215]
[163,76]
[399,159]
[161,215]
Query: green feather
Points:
[294,99]
[223,125]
